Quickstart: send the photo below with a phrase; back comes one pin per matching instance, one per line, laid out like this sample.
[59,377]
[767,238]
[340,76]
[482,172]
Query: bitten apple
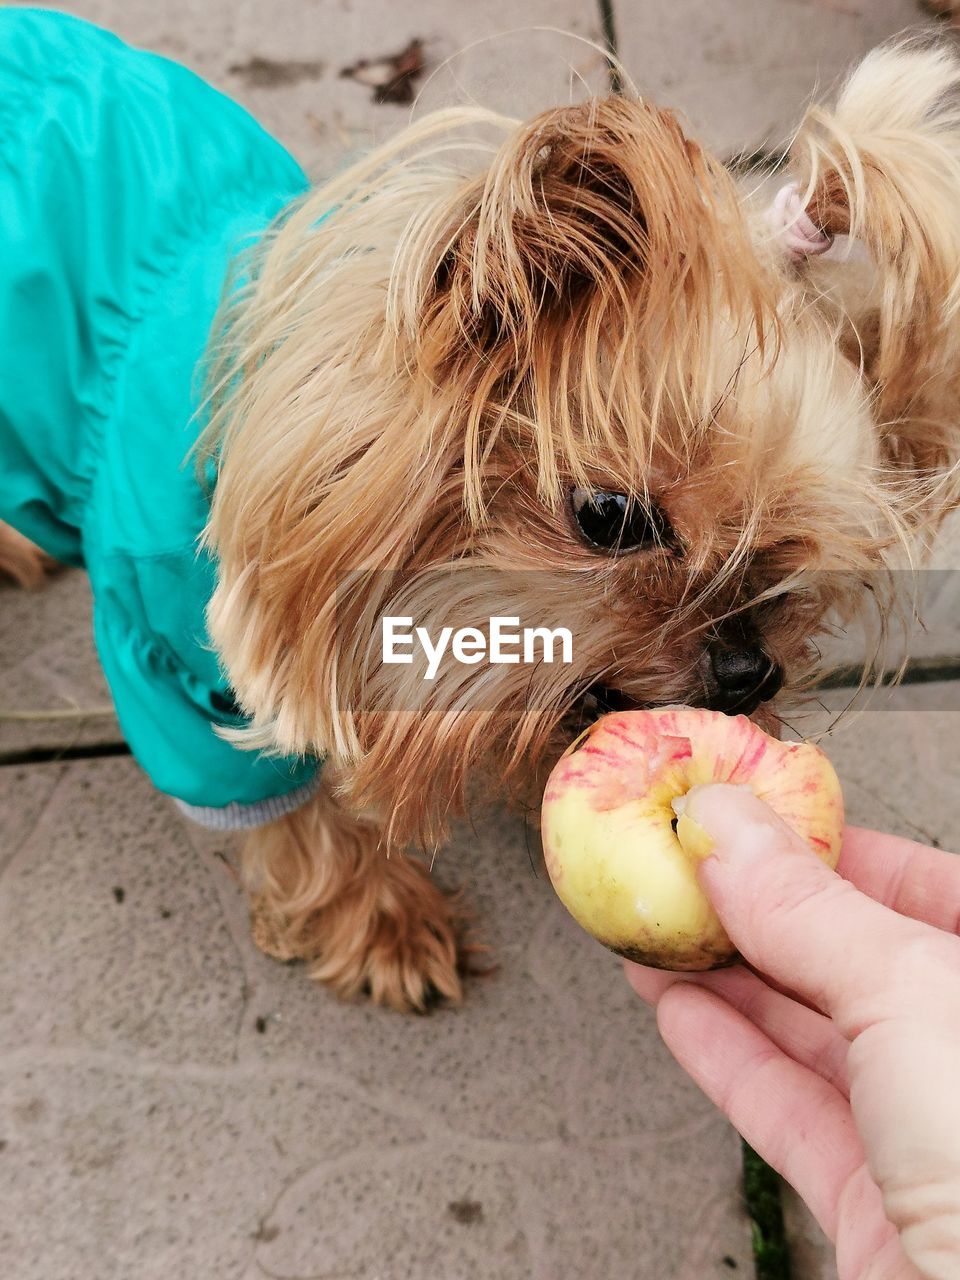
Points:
[621,853]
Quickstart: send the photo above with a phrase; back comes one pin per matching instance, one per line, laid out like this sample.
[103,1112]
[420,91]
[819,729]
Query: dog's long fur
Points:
[884,168]
[421,360]
[434,347]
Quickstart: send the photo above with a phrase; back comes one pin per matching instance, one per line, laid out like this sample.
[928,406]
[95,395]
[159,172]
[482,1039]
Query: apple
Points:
[621,853]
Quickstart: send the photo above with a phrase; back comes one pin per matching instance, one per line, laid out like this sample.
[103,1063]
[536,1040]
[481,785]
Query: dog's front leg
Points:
[20,559]
[368,918]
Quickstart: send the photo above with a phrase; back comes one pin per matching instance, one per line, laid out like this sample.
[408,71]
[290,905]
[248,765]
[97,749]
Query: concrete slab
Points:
[48,665]
[812,1256]
[895,756]
[922,625]
[285,64]
[24,795]
[942,617]
[121,1168]
[173,1103]
[113,925]
[181,1104]
[742,73]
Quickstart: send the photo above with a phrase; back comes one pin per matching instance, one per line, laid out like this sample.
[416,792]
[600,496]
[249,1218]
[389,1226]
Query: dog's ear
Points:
[604,212]
[587,287]
[883,167]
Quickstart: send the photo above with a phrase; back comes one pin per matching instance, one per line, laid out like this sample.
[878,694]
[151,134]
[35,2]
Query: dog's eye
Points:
[617,523]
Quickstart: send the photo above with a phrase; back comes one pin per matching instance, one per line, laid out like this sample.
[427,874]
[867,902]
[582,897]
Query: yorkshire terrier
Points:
[569,370]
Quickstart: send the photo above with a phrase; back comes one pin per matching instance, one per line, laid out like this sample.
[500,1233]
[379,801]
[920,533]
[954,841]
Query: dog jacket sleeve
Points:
[128,187]
[174,701]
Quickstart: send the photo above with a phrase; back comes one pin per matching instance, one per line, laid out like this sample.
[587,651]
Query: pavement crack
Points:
[62,754]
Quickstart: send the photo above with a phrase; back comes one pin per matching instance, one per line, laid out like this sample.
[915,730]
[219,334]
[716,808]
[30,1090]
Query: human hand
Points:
[838,1058]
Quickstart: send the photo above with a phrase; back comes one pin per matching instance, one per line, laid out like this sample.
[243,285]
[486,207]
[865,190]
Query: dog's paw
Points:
[269,932]
[392,937]
[404,950]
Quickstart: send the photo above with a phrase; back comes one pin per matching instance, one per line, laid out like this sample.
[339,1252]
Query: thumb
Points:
[792,917]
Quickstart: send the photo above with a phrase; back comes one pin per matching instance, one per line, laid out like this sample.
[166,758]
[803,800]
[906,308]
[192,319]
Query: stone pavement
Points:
[172,1103]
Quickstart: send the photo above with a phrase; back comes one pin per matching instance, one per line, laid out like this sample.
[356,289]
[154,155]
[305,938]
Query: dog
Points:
[568,369]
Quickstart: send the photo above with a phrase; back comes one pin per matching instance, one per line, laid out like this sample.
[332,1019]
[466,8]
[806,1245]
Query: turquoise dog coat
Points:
[127,186]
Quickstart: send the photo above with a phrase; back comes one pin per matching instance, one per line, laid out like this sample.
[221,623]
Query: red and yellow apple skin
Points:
[621,860]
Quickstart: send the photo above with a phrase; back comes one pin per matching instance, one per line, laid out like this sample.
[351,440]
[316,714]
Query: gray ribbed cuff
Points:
[240,817]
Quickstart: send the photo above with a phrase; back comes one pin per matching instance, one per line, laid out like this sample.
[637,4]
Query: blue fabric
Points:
[127,186]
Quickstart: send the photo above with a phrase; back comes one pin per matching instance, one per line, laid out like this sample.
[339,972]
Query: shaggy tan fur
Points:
[326,890]
[435,347]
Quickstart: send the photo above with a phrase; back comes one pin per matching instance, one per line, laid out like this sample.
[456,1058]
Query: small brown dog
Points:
[587,380]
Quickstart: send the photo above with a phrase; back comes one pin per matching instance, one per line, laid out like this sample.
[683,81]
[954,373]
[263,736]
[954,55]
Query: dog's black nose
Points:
[743,676]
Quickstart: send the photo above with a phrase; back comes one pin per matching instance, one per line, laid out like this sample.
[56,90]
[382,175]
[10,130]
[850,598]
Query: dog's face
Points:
[581,389]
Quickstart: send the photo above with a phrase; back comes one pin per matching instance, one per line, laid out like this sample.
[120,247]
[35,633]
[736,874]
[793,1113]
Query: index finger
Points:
[910,878]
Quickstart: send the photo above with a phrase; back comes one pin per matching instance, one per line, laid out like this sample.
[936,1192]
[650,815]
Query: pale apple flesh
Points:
[621,859]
